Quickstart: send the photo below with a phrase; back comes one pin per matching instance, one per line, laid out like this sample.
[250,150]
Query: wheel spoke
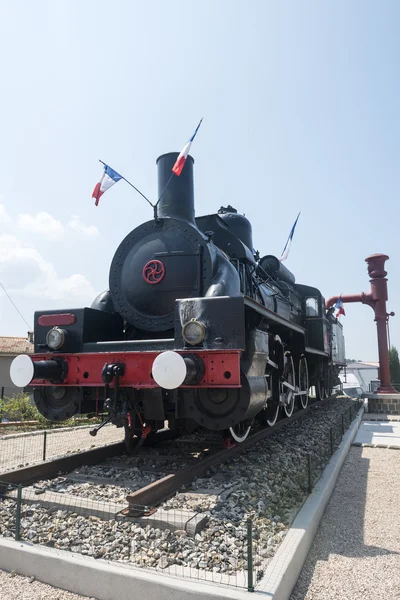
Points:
[286,392]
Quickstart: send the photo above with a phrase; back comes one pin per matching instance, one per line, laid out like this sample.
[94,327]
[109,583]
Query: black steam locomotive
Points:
[196,329]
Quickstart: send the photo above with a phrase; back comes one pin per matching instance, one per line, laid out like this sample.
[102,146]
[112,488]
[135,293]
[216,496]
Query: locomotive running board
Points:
[130,345]
[315,351]
[271,316]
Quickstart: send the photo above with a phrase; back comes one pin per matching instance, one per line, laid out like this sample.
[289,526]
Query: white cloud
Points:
[4,217]
[45,225]
[41,223]
[87,230]
[25,271]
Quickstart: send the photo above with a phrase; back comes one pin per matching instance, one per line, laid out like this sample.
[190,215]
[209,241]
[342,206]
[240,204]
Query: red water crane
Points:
[376,299]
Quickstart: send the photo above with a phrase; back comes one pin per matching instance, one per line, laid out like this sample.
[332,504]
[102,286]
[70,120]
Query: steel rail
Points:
[153,494]
[53,467]
[157,492]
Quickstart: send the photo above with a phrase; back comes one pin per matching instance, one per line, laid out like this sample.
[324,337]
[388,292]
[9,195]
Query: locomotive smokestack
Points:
[178,198]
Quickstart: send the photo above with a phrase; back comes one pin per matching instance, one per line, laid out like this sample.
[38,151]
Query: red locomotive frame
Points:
[221,368]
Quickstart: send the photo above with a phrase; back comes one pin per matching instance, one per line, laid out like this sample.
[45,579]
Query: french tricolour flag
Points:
[108,179]
[286,249]
[180,161]
[339,306]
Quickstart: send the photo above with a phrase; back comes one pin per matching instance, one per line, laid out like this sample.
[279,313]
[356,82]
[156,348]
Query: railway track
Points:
[155,493]
[139,482]
[200,531]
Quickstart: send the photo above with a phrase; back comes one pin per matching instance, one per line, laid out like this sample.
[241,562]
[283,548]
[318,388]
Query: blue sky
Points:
[300,103]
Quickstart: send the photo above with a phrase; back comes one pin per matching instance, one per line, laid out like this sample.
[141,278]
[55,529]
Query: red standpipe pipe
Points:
[376,299]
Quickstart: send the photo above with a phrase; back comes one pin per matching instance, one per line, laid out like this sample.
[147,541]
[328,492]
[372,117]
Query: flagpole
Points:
[131,184]
[166,185]
[172,174]
[289,240]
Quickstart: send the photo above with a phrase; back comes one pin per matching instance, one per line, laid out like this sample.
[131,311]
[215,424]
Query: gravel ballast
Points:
[356,552]
[267,482]
[15,587]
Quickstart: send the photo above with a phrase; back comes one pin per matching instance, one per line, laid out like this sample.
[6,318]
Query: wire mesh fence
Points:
[10,509]
[23,449]
[186,538]
[177,542]
[314,465]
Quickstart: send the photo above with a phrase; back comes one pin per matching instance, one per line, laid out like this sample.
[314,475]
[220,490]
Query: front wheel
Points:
[273,415]
[240,431]
[287,396]
[128,438]
[320,390]
[131,435]
[303,382]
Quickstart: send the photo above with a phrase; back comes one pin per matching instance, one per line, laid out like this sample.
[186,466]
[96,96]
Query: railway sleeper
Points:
[189,521]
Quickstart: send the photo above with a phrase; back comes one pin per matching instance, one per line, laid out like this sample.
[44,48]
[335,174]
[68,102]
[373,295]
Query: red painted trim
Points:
[57,319]
[222,368]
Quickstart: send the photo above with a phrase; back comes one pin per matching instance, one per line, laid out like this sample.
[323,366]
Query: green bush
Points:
[19,408]
[394,364]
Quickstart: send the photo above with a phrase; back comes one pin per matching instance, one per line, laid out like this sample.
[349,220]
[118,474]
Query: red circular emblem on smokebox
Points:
[153,272]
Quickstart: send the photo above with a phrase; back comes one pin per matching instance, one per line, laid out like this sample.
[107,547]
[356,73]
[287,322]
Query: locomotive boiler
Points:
[195,329]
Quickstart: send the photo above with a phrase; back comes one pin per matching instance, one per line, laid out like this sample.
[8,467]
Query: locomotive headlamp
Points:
[55,338]
[194,332]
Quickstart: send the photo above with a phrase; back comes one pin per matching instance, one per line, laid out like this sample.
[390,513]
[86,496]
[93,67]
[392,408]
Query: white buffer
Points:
[169,370]
[22,370]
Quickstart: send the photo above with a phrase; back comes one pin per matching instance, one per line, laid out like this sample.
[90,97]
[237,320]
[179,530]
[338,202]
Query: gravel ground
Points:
[15,587]
[129,472]
[268,482]
[356,552]
[25,449]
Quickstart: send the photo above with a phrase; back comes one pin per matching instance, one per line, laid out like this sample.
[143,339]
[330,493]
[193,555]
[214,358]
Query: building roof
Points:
[15,345]
[362,365]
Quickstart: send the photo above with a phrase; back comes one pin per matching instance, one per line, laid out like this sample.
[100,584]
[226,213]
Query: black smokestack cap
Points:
[178,197]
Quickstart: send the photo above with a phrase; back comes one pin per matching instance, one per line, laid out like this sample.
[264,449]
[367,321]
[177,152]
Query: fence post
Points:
[18,513]
[250,586]
[309,473]
[1,404]
[44,444]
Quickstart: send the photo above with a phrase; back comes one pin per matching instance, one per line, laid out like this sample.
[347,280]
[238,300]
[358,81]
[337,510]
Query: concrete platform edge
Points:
[104,580]
[385,446]
[284,569]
